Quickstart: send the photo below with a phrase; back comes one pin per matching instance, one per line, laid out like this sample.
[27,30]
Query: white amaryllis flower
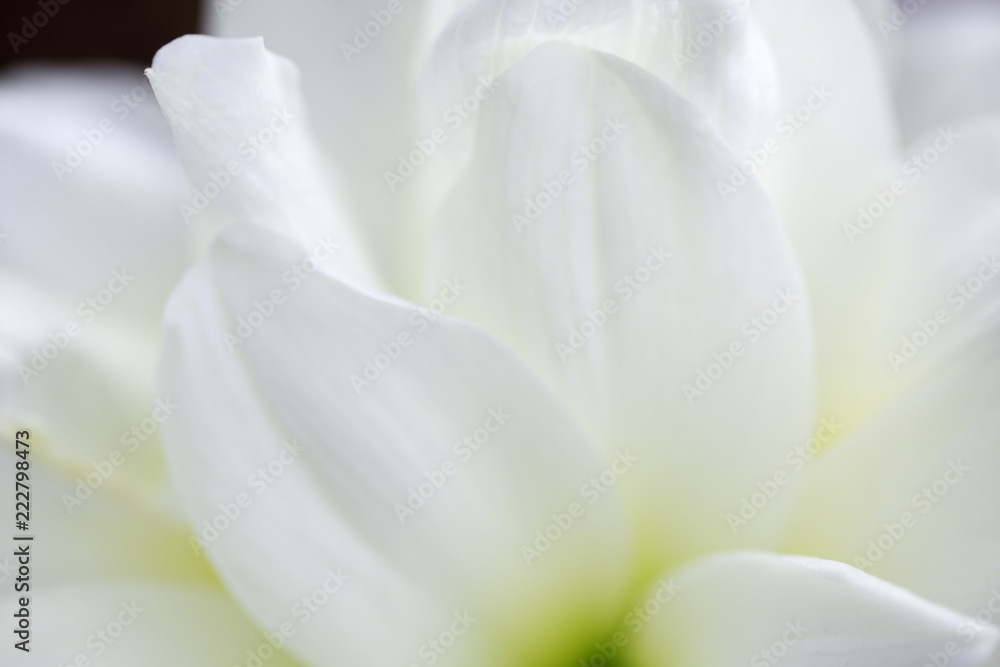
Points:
[667,253]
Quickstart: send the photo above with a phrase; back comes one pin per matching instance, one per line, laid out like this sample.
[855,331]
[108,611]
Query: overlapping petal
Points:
[242,132]
[593,240]
[933,455]
[911,497]
[103,529]
[90,249]
[601,230]
[708,51]
[122,623]
[357,61]
[832,149]
[424,458]
[944,303]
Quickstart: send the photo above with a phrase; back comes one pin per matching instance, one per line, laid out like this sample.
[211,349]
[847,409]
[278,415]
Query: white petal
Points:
[358,90]
[106,528]
[763,609]
[366,448]
[123,624]
[933,300]
[80,384]
[848,140]
[709,51]
[242,133]
[877,16]
[635,371]
[949,65]
[912,496]
[833,148]
[939,348]
[86,190]
[947,254]
[92,245]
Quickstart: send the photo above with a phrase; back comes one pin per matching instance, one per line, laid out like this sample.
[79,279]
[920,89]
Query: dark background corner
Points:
[67,30]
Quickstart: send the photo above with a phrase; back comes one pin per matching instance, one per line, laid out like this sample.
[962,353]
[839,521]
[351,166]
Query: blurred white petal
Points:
[80,385]
[89,532]
[708,51]
[921,509]
[834,148]
[357,59]
[300,376]
[74,211]
[92,246]
[943,300]
[242,133]
[120,623]
[762,609]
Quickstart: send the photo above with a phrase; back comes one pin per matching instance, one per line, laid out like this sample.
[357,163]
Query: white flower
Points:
[667,253]
[618,297]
